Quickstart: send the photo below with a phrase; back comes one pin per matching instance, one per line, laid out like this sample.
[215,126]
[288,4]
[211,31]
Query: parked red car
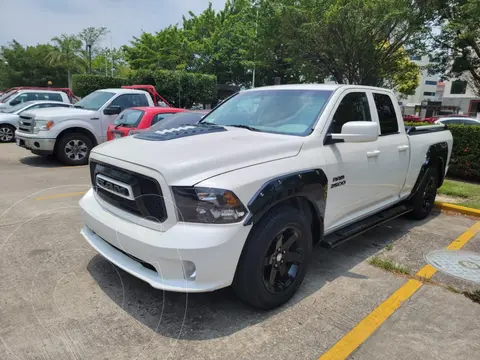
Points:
[138,118]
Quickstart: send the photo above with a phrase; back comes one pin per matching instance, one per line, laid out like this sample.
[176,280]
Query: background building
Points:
[458,93]
[427,86]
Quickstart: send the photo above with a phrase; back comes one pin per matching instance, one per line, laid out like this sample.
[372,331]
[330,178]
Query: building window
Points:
[430,82]
[427,93]
[458,87]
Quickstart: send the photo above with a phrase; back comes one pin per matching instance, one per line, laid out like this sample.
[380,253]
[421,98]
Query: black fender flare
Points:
[310,184]
[436,153]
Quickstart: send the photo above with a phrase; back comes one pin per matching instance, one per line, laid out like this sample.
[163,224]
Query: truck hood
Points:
[191,159]
[8,119]
[61,112]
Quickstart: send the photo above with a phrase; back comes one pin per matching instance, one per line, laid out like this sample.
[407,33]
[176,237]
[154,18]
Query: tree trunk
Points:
[69,79]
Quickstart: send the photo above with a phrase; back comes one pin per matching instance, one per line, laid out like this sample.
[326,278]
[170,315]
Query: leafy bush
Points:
[83,85]
[465,161]
[191,87]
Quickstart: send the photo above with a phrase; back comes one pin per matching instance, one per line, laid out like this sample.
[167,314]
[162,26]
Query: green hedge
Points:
[193,87]
[465,161]
[83,85]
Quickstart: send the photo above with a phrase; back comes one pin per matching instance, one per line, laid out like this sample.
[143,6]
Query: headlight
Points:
[208,205]
[42,125]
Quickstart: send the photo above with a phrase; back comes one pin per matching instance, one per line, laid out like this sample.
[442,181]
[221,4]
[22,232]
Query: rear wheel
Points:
[74,149]
[423,201]
[275,259]
[7,133]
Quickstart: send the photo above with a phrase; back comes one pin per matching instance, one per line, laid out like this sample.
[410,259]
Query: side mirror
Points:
[112,110]
[14,102]
[358,131]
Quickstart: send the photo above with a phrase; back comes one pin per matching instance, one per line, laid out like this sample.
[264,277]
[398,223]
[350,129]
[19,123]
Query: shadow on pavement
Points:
[44,161]
[218,314]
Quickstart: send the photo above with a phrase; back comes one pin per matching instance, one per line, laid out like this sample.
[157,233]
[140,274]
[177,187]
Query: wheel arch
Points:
[305,191]
[436,157]
[76,129]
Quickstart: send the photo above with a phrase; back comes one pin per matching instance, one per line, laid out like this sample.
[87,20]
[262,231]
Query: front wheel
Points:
[275,259]
[74,149]
[424,199]
[7,133]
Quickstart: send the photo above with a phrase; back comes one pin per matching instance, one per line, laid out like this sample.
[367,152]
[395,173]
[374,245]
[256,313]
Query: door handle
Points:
[403,148]
[373,153]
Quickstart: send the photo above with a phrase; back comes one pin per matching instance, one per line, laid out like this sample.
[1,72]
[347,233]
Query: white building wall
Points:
[427,86]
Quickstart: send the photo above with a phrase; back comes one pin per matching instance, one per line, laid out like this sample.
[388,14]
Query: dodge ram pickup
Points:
[241,197]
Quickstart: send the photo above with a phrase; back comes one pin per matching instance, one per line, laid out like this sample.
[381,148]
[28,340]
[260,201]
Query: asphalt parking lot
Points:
[60,300]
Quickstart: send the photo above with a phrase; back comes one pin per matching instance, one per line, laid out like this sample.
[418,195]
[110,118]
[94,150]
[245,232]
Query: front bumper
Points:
[213,249]
[34,143]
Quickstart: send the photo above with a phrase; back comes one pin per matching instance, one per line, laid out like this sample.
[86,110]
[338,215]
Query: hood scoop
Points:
[180,132]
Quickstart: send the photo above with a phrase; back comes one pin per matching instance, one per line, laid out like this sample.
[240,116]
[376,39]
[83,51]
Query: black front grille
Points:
[141,262]
[148,197]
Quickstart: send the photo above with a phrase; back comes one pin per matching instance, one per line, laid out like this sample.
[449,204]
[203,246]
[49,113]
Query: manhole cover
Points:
[461,264]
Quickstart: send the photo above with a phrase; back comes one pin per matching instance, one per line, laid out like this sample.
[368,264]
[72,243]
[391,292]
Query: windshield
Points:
[183,118]
[17,107]
[3,96]
[95,100]
[292,112]
[129,118]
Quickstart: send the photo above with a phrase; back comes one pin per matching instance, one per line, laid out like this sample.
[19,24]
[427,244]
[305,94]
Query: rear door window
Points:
[129,118]
[51,96]
[160,117]
[386,114]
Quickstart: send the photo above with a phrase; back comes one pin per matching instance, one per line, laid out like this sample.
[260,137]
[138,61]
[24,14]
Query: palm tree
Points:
[67,52]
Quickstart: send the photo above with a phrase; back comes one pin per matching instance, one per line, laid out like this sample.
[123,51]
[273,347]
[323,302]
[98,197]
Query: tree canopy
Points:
[457,45]
[348,41]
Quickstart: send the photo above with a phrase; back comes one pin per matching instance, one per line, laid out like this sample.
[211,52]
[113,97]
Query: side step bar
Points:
[350,231]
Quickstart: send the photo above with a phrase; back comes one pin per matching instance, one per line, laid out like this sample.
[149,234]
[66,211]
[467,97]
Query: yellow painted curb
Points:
[458,209]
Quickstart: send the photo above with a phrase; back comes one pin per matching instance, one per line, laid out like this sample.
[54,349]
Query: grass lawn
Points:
[467,192]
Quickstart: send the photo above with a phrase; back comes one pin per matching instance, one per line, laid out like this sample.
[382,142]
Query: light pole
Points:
[89,49]
[255,48]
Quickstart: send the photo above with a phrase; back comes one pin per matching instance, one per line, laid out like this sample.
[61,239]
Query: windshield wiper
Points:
[121,124]
[245,127]
[78,106]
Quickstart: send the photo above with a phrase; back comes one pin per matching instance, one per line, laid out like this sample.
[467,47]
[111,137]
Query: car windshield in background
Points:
[183,118]
[129,118]
[3,96]
[17,107]
[95,100]
[292,112]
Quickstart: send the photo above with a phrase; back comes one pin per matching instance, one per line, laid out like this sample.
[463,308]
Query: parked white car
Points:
[70,134]
[9,117]
[21,96]
[458,121]
[241,197]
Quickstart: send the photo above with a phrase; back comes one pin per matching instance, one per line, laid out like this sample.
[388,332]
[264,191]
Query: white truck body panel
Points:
[363,178]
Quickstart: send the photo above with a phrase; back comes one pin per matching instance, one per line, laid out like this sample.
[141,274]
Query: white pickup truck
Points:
[70,134]
[240,198]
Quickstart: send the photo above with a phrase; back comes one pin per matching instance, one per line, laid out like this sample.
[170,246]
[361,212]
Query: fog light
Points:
[189,270]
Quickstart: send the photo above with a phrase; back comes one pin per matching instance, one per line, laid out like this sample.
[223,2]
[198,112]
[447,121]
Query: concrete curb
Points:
[458,209]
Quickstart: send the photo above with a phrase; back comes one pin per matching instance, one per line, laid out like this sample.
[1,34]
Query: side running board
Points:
[350,231]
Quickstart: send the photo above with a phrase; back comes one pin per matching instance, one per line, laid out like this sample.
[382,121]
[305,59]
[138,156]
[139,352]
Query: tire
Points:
[260,258]
[424,199]
[7,133]
[73,149]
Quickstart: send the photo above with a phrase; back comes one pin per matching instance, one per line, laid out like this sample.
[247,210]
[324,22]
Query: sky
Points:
[36,21]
